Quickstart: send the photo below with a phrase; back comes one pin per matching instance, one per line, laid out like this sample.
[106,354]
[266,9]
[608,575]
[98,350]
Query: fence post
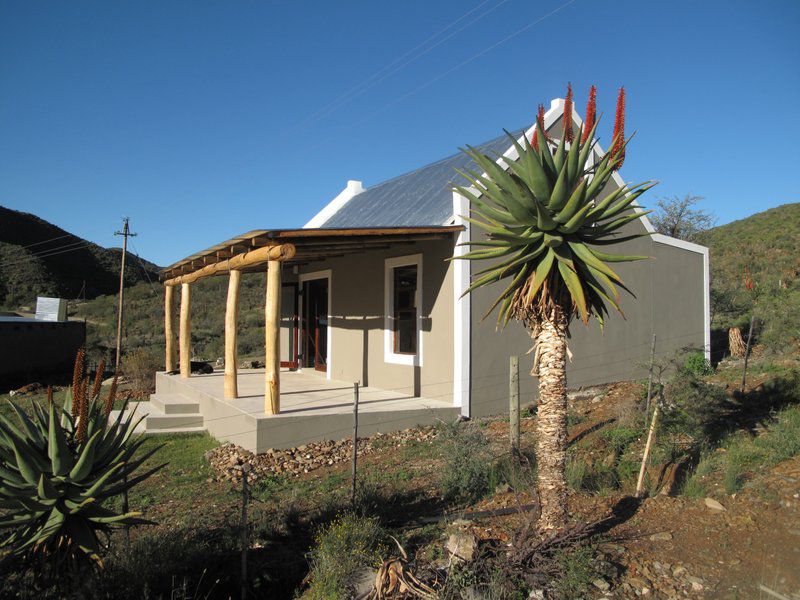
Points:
[747,353]
[513,405]
[650,376]
[245,543]
[355,445]
[648,445]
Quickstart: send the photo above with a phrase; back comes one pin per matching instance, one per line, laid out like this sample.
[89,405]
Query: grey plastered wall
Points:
[669,301]
[357,319]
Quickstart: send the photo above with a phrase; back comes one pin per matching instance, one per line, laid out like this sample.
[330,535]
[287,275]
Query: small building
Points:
[41,348]
[366,292]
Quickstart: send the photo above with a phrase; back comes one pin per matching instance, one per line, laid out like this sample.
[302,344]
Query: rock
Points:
[364,583]
[503,488]
[661,536]
[601,584]
[714,505]
[537,595]
[678,571]
[461,545]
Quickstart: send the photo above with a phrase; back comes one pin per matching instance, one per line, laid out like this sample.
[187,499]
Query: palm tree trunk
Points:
[551,422]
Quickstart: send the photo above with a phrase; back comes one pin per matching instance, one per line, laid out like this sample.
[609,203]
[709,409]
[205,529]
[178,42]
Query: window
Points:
[405,309]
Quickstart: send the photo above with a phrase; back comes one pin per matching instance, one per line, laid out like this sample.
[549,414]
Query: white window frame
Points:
[389,355]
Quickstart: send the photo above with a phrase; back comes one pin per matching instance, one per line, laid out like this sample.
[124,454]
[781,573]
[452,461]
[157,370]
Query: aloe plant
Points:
[546,218]
[59,467]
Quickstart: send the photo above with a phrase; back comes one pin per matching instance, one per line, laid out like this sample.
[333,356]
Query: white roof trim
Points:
[354,188]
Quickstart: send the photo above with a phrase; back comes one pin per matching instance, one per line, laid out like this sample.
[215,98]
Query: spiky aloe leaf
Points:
[52,485]
[553,213]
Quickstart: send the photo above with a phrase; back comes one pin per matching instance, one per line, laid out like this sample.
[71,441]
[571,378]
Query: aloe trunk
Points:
[551,421]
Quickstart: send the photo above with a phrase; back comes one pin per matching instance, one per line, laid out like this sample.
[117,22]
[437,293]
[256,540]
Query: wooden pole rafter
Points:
[280,252]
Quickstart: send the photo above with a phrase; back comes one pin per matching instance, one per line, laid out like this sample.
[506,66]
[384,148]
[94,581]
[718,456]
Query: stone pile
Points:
[229,462]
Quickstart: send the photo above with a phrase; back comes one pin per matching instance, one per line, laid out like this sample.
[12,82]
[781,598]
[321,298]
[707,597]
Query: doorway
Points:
[315,324]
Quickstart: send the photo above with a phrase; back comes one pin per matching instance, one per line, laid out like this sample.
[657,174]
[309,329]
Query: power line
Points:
[467,61]
[82,245]
[50,240]
[381,75]
[141,264]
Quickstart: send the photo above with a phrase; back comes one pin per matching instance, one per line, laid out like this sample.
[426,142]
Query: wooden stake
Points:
[231,388]
[650,376]
[747,353]
[185,339]
[272,393]
[513,405]
[355,445]
[169,328]
[650,436]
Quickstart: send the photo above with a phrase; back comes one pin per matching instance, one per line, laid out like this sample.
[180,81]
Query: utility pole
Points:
[125,233]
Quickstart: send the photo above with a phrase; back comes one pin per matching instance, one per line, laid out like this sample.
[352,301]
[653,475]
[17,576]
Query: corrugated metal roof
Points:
[421,197]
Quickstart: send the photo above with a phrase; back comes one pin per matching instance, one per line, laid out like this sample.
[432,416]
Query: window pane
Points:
[405,309]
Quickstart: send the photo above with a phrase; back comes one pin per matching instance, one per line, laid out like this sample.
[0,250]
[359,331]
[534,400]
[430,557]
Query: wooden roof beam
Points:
[239,262]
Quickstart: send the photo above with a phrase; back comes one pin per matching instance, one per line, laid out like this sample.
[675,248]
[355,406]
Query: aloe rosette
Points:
[58,472]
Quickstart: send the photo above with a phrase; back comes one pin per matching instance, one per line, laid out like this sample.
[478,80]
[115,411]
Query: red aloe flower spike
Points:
[618,149]
[569,134]
[591,113]
[540,121]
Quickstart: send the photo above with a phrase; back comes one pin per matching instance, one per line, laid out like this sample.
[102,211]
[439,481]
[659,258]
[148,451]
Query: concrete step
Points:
[156,421]
[175,404]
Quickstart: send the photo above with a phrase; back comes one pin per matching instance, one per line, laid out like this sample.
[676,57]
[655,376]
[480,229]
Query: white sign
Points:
[51,309]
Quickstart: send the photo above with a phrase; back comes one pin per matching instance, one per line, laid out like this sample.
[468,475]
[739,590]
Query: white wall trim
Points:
[462,312]
[389,355]
[326,274]
[353,188]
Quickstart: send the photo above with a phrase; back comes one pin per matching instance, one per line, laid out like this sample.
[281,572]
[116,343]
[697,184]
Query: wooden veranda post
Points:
[169,328]
[231,317]
[272,395]
[185,340]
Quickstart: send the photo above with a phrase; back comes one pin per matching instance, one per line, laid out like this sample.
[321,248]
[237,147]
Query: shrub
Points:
[576,573]
[139,368]
[619,438]
[468,464]
[341,549]
[695,408]
[697,364]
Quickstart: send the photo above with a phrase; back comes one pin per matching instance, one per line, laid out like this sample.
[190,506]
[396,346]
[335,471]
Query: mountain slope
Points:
[766,246]
[39,258]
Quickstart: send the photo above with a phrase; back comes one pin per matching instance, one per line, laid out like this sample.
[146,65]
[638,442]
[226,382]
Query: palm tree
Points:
[546,222]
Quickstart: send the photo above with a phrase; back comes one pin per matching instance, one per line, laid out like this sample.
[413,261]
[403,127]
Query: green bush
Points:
[468,463]
[695,408]
[620,437]
[341,549]
[697,364]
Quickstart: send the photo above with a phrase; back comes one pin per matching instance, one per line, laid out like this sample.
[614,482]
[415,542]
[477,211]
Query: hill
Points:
[39,258]
[766,248]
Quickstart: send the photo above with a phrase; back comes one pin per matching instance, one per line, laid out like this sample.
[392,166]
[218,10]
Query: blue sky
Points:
[202,120]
